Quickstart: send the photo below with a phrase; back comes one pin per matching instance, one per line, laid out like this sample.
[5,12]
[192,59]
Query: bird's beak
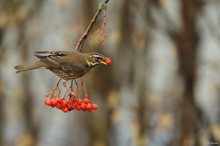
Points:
[107,61]
[103,62]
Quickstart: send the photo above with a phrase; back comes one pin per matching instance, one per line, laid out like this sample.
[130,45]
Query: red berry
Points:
[79,101]
[86,100]
[54,102]
[64,104]
[71,100]
[47,101]
[73,107]
[108,61]
[83,106]
[78,107]
[89,110]
[58,99]
[94,106]
[70,107]
[89,107]
[59,106]
[65,109]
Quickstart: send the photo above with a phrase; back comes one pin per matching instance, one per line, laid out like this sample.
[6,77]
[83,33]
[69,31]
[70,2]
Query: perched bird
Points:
[66,64]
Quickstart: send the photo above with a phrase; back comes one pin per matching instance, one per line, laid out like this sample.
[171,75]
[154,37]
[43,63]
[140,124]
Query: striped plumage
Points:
[65,64]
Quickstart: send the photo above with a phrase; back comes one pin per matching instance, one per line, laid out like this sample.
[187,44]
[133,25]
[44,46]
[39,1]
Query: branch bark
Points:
[82,39]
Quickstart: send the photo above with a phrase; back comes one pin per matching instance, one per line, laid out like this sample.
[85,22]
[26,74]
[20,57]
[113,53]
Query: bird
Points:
[66,64]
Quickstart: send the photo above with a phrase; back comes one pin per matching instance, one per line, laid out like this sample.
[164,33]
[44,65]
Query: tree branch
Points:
[91,24]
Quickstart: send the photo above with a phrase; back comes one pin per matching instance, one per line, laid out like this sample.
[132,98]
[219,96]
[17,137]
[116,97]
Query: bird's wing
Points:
[52,58]
[46,54]
[76,67]
[73,63]
[62,59]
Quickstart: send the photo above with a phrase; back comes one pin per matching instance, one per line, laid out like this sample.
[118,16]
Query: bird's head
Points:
[97,58]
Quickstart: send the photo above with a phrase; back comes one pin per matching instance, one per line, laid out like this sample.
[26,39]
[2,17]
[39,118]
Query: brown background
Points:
[163,88]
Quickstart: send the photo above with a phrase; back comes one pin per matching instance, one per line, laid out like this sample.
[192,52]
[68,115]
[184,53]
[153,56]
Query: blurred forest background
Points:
[163,88]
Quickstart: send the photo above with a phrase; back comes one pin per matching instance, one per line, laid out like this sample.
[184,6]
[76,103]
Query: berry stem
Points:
[77,88]
[71,92]
[57,86]
[84,88]
[65,93]
[71,85]
[104,19]
[52,92]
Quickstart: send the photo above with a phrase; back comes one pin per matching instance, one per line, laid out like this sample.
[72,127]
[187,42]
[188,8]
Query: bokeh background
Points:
[163,88]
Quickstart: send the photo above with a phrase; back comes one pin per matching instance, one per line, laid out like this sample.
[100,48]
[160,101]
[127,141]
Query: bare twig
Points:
[57,87]
[84,89]
[77,88]
[91,24]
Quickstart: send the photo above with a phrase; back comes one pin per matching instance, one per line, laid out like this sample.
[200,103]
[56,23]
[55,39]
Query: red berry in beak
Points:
[108,61]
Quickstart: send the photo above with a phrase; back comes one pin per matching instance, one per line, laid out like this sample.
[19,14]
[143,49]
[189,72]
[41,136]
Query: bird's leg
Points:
[84,88]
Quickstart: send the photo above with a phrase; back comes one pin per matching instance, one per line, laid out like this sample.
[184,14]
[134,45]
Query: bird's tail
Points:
[23,68]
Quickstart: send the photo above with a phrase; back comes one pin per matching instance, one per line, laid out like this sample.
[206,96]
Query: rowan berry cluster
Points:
[71,104]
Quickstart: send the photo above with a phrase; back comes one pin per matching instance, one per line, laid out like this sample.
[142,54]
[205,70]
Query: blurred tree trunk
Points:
[187,47]
[124,116]
[140,104]
[96,81]
[28,95]
[2,96]
[208,81]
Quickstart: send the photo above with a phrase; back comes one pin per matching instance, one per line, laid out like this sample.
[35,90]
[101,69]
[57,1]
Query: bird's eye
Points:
[99,58]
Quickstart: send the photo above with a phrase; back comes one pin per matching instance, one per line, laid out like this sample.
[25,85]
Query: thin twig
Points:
[71,85]
[71,92]
[84,89]
[57,87]
[77,88]
[86,33]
